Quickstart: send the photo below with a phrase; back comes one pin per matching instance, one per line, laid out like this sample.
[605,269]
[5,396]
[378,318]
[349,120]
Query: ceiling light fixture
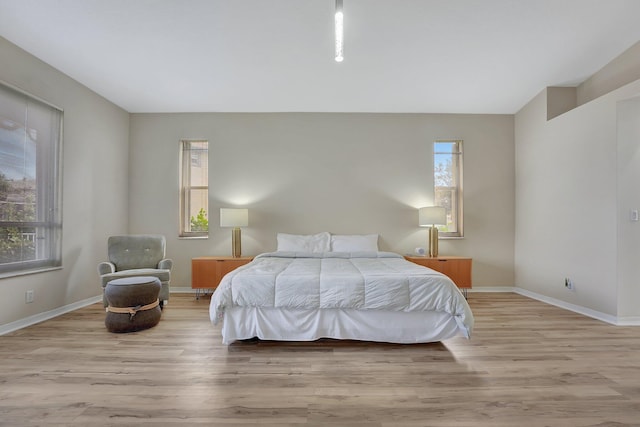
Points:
[339,32]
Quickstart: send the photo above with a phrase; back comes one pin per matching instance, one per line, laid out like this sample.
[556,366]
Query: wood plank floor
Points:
[528,364]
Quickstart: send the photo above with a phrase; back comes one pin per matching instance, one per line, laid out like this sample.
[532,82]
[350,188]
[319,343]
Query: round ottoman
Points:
[133,304]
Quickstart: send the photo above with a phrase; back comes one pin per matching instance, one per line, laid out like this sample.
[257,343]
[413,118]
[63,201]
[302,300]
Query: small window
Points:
[447,178]
[194,188]
[30,172]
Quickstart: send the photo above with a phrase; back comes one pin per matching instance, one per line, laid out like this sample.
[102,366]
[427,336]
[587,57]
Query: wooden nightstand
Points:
[208,271]
[457,268]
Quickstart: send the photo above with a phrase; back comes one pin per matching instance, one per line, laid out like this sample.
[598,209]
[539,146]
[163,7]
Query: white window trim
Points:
[459,233]
[184,202]
[49,208]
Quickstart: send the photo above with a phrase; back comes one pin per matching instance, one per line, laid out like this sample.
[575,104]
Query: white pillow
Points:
[304,242]
[354,243]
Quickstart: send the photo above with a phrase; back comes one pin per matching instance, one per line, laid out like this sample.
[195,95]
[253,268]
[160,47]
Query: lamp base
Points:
[236,245]
[433,241]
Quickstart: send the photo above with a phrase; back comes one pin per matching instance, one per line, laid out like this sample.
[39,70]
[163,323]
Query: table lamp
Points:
[431,216]
[235,218]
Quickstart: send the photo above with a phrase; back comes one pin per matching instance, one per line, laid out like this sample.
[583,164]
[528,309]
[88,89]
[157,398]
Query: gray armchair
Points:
[137,255]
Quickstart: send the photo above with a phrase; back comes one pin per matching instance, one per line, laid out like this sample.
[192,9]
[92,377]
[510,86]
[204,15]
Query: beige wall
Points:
[567,211]
[95,175]
[628,114]
[622,70]
[358,173]
[312,172]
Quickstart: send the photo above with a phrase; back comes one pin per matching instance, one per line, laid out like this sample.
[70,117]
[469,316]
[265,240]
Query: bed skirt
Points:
[241,323]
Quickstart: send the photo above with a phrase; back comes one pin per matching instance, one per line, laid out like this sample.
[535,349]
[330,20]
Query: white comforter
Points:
[363,281]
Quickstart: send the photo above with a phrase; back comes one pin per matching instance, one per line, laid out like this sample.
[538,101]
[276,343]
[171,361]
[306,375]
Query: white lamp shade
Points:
[234,217]
[432,215]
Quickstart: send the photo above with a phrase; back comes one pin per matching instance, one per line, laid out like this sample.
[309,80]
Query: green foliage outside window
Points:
[200,223]
[17,204]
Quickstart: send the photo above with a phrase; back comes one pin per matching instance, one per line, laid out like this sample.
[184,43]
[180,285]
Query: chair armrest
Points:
[106,268]
[165,264]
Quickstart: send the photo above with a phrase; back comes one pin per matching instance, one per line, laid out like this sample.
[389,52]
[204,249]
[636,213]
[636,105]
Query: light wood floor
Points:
[528,364]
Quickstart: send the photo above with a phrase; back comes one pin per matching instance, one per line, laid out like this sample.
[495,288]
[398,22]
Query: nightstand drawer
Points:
[457,269]
[208,271]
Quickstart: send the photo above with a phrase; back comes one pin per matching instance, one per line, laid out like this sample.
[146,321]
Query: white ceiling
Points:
[444,56]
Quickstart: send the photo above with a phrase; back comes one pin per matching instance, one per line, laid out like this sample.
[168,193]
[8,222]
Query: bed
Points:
[355,295]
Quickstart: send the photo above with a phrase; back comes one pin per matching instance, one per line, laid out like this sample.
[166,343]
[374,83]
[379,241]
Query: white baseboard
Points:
[575,308]
[182,290]
[492,289]
[41,317]
[619,321]
[629,321]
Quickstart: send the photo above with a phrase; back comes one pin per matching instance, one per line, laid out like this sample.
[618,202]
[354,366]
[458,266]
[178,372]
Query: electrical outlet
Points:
[28,297]
[568,283]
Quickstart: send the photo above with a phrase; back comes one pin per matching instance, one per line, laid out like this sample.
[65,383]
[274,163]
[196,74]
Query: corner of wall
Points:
[560,100]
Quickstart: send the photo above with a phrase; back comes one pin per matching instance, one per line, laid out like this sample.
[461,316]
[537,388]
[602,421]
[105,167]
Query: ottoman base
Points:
[133,304]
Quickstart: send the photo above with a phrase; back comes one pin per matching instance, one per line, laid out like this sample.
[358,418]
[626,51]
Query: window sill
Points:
[27,272]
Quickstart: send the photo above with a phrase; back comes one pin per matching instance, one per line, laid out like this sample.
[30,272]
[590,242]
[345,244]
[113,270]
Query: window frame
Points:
[458,189]
[46,228]
[185,165]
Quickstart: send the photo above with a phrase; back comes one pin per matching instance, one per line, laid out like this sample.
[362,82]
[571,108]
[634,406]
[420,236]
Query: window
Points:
[30,172]
[447,178]
[194,188]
